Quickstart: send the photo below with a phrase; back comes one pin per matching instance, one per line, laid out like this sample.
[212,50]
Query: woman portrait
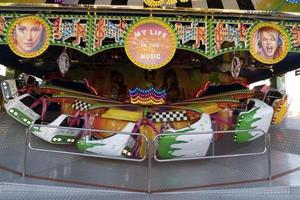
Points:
[268,43]
[28,36]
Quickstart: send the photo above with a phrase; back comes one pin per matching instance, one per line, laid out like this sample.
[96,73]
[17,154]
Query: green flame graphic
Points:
[244,122]
[165,151]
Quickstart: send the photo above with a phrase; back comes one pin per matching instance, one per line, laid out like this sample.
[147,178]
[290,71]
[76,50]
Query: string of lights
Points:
[157,3]
[147,96]
[293,1]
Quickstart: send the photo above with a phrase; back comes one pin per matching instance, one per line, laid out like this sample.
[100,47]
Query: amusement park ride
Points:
[252,110]
[113,110]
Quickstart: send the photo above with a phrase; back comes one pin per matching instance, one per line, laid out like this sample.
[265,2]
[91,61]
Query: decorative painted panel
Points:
[210,37]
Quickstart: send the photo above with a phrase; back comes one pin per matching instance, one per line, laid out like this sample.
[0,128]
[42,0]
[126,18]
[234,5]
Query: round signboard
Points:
[28,36]
[150,43]
[269,43]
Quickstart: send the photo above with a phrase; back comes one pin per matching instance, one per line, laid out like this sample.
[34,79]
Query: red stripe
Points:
[84,183]
[11,170]
[153,191]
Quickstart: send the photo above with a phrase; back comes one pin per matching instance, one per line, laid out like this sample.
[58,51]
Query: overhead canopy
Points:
[199,52]
[263,5]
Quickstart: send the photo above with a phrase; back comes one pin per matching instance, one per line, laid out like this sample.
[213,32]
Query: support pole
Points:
[149,154]
[25,152]
[269,156]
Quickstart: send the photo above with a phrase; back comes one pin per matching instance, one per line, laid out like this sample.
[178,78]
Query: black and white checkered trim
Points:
[214,4]
[81,105]
[168,116]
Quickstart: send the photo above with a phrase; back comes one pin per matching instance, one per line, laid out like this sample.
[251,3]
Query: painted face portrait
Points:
[29,36]
[269,43]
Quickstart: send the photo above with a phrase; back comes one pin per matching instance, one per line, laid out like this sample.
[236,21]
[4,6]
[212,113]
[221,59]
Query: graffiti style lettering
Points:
[200,36]
[230,34]
[115,30]
[189,32]
[100,32]
[242,32]
[80,33]
[69,29]
[57,31]
[295,30]
[105,28]
[122,28]
[192,32]
[179,30]
[112,30]
[64,31]
[220,34]
[236,35]
[2,24]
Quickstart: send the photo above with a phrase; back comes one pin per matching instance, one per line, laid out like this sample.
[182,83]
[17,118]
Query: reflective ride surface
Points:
[230,178]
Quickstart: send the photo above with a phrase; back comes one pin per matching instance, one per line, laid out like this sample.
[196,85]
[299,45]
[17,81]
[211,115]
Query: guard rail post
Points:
[27,139]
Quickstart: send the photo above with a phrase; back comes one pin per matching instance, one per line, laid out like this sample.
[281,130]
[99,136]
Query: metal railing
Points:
[28,144]
[151,148]
[266,149]
[156,139]
[85,153]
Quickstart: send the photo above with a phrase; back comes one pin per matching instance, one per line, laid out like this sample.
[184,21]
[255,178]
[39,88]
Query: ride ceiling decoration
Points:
[28,36]
[63,62]
[269,42]
[149,96]
[150,43]
[264,5]
[206,36]
[157,3]
[235,68]
[293,1]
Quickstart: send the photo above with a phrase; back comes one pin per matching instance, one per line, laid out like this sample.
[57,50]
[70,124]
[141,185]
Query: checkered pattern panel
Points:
[81,105]
[168,116]
[220,4]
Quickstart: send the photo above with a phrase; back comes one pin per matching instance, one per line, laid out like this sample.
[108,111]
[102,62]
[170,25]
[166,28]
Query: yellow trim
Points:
[154,3]
[208,108]
[280,110]
[159,22]
[285,42]
[122,115]
[11,41]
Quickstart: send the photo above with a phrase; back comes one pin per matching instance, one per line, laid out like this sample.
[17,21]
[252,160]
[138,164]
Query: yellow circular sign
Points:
[150,43]
[28,36]
[269,43]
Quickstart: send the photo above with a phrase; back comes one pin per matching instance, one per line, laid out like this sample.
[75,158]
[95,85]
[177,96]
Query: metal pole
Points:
[269,156]
[149,150]
[213,144]
[25,152]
